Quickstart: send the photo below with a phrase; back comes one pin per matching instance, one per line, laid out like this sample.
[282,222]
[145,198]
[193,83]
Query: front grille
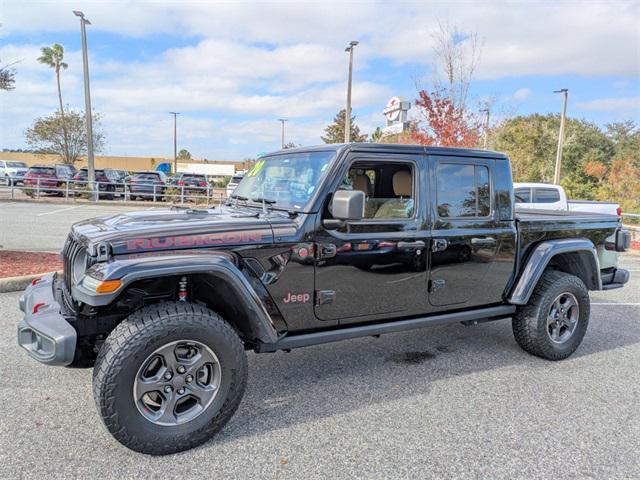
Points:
[70,253]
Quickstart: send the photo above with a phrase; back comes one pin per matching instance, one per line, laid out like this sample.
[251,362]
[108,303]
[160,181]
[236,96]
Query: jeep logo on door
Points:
[296,298]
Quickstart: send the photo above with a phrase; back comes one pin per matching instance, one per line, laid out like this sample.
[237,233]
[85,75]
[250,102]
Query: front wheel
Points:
[169,377]
[554,322]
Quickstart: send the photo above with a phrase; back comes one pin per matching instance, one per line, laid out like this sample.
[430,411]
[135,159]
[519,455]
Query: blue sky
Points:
[233,68]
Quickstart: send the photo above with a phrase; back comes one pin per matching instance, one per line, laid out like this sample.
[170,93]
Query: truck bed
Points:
[535,226]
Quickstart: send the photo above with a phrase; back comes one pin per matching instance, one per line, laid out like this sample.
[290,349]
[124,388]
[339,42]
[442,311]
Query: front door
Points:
[375,267]
[465,234]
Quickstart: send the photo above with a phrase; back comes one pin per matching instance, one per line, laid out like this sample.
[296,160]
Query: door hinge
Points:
[325,297]
[435,285]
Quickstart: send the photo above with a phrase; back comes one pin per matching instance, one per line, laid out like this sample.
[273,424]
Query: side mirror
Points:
[348,205]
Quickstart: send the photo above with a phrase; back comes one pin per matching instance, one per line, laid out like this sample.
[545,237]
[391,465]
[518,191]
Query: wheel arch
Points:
[577,257]
[215,280]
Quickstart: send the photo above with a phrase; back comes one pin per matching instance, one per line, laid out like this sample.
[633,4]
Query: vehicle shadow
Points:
[312,383]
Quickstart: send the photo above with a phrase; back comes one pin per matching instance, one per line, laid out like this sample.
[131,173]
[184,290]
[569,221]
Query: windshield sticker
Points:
[256,169]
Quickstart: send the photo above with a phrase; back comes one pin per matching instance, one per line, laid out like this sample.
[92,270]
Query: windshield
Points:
[288,181]
[17,164]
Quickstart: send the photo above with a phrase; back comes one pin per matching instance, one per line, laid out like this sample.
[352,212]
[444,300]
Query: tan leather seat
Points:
[361,182]
[399,207]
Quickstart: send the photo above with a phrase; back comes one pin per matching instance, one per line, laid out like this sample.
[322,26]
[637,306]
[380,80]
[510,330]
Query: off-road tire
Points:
[530,321]
[132,341]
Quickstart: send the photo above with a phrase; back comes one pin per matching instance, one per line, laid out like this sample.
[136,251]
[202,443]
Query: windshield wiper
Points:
[238,197]
[265,202]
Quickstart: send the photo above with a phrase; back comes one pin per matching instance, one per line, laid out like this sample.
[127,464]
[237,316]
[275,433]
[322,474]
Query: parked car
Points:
[374,239]
[233,183]
[193,183]
[12,172]
[147,185]
[106,180]
[46,179]
[543,196]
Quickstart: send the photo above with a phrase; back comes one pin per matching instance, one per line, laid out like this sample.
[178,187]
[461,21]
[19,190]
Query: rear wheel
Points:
[169,377]
[554,322]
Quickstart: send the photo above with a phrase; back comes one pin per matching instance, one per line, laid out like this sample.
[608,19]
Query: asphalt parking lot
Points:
[444,402]
[37,226]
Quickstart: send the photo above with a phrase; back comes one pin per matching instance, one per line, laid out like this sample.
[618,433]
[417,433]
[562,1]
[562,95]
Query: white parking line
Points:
[58,211]
[625,304]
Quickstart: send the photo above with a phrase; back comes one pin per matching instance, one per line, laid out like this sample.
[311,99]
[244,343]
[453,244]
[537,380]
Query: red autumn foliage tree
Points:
[443,124]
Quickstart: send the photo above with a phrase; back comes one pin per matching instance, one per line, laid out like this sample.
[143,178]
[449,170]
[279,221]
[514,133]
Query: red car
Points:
[42,176]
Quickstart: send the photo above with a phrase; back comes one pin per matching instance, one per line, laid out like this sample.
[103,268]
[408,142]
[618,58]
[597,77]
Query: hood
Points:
[176,228]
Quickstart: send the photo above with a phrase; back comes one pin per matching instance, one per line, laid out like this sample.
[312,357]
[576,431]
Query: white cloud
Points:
[247,63]
[623,105]
[519,95]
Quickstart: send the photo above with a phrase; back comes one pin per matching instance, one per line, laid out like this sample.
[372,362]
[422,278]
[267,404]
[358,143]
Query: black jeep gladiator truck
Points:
[315,245]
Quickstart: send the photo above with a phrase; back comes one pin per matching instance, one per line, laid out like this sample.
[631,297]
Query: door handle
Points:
[483,242]
[415,244]
[439,244]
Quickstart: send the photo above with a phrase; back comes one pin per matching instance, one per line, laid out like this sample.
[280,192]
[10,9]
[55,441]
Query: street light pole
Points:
[282,120]
[565,94]
[175,141]
[91,177]
[347,118]
[485,139]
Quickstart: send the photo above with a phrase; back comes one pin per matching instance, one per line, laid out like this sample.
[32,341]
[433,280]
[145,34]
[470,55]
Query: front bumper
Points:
[45,335]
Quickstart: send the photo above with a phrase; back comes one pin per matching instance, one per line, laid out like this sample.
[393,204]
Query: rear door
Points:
[465,235]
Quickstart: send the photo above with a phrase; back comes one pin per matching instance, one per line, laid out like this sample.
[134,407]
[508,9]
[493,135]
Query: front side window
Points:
[546,195]
[387,187]
[464,190]
[287,181]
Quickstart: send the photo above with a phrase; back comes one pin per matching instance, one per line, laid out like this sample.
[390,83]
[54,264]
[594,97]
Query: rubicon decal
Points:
[296,298]
[186,241]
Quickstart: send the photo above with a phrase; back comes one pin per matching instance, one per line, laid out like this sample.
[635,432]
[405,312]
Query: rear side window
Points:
[546,195]
[523,195]
[463,190]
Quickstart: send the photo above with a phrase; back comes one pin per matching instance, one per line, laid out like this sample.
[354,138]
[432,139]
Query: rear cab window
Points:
[546,195]
[522,195]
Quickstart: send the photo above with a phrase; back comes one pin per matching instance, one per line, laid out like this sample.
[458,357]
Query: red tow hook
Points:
[37,307]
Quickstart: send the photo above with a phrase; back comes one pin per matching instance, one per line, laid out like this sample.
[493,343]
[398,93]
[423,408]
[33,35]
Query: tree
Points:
[7,77]
[334,133]
[53,57]
[531,142]
[184,155]
[442,123]
[64,135]
[376,136]
[456,54]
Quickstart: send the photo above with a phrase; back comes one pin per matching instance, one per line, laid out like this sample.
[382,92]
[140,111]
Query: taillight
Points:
[180,182]
[619,211]
[203,184]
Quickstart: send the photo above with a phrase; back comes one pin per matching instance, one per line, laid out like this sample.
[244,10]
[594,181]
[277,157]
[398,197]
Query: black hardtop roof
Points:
[395,147]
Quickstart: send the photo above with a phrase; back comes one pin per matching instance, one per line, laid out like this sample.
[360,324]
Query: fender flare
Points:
[540,258]
[220,265]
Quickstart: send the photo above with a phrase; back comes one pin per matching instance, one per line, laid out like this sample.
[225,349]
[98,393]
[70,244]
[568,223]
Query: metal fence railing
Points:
[122,191]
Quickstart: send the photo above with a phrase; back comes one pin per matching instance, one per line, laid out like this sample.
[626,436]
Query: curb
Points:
[17,284]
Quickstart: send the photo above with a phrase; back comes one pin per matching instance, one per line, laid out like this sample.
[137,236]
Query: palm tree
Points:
[53,57]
